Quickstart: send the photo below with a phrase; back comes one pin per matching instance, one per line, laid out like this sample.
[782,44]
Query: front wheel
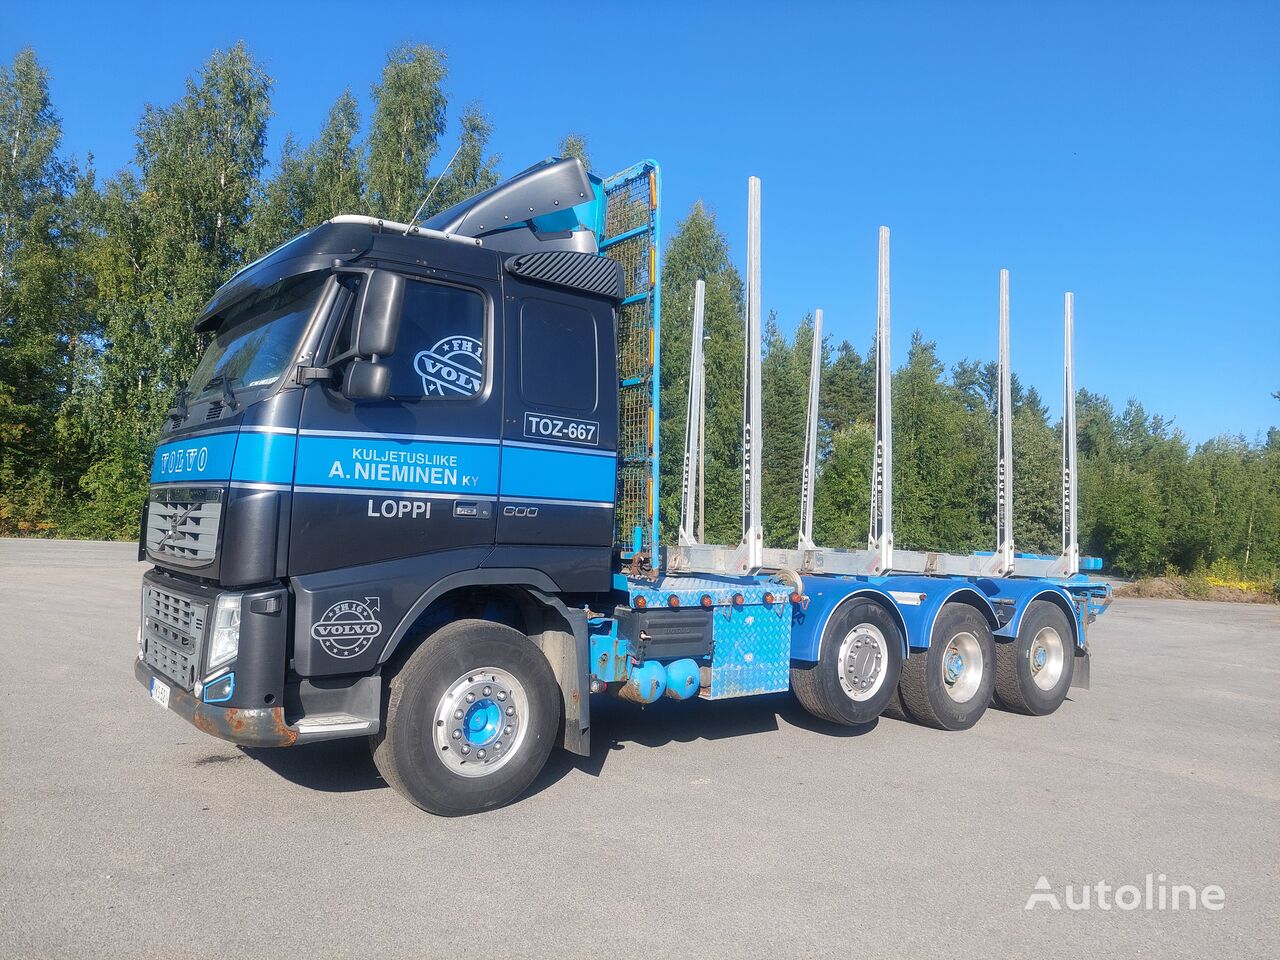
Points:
[858,667]
[471,719]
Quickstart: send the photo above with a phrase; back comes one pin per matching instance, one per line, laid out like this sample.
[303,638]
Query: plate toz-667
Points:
[540,426]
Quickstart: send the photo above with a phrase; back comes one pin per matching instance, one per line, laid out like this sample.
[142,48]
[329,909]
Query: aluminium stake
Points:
[808,478]
[693,426]
[1004,445]
[1070,545]
[880,536]
[751,551]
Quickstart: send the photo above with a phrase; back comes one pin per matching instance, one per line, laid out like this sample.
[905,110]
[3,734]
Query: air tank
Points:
[646,682]
[683,679]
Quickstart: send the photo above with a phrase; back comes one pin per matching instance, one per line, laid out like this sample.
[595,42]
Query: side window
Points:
[440,351]
[558,356]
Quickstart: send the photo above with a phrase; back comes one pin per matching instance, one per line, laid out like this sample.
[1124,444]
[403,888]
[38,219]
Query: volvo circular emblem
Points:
[348,627]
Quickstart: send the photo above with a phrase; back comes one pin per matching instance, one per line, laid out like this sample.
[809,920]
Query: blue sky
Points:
[1128,152]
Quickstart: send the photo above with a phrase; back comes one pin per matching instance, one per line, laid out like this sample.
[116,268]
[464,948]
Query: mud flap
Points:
[568,654]
[1080,670]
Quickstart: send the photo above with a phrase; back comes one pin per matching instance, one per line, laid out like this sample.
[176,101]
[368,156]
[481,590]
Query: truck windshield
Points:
[257,337]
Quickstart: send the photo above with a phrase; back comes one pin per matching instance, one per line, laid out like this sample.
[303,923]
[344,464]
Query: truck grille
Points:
[182,525]
[172,629]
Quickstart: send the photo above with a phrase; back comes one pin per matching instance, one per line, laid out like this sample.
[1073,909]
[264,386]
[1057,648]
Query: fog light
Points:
[220,690]
[224,642]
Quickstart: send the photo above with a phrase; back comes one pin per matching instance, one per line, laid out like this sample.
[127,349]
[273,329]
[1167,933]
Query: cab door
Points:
[415,476]
[559,434]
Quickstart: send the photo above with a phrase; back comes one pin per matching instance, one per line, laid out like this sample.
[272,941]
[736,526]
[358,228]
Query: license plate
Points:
[160,692]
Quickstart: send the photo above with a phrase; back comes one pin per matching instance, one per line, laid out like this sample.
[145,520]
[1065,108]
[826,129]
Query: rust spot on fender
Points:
[205,724]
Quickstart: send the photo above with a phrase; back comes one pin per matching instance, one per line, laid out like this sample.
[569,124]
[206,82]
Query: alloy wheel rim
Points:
[962,667]
[863,655]
[1048,658]
[481,721]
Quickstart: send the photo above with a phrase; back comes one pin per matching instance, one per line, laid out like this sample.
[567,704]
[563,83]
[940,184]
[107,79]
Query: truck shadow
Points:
[615,724]
[345,766]
[332,766]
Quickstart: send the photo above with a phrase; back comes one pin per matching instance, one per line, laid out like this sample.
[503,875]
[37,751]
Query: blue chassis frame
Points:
[913,601]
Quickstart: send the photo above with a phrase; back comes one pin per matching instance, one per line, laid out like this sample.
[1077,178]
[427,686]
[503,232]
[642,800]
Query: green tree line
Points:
[99,282]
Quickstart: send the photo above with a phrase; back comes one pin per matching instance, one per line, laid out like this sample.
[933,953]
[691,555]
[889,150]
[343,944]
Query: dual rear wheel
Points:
[949,685]
[861,672]
[1033,673]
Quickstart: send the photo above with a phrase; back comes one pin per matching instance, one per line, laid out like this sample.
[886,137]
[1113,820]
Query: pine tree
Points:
[943,484]
[784,396]
[575,145]
[698,250]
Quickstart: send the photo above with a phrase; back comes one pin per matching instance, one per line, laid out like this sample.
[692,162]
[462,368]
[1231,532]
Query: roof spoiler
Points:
[549,206]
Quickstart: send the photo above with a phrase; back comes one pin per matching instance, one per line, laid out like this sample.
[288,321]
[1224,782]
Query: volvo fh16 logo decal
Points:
[348,627]
[453,367]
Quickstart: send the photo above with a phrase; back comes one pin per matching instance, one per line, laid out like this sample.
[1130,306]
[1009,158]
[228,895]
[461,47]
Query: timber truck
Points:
[409,495]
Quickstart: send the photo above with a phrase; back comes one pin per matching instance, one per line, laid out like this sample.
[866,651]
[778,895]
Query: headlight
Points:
[224,643]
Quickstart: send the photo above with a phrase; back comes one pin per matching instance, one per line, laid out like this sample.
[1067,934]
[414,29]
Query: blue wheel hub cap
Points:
[955,667]
[483,722]
[1041,656]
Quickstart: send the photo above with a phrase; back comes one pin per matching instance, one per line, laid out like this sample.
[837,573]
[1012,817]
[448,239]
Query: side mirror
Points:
[378,318]
[366,380]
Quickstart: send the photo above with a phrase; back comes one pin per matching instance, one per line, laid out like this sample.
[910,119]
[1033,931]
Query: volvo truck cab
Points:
[390,423]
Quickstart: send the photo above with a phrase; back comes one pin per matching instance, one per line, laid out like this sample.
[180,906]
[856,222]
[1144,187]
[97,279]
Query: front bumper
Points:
[257,727]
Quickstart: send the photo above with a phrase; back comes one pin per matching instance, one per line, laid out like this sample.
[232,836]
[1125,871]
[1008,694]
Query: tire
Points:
[857,670]
[514,706]
[1033,672]
[894,709]
[928,692]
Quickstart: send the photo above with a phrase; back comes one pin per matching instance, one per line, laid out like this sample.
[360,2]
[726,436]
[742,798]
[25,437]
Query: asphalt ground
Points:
[735,828]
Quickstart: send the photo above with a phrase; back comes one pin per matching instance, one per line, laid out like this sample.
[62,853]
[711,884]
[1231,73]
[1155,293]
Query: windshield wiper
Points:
[228,396]
[178,412]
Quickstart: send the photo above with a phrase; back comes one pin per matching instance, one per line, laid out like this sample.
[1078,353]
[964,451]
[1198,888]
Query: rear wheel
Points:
[949,685]
[1033,673]
[471,719]
[858,667]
